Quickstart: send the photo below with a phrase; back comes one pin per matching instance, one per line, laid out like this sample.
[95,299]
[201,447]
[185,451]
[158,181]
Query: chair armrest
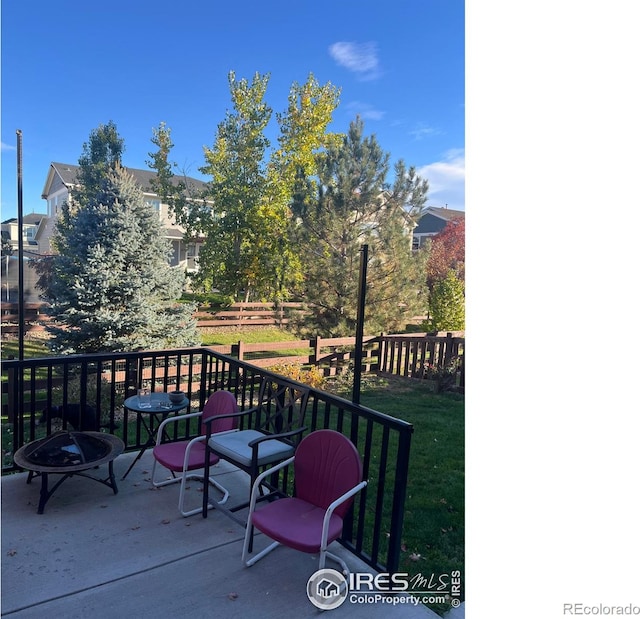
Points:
[331,508]
[174,419]
[269,437]
[187,451]
[256,484]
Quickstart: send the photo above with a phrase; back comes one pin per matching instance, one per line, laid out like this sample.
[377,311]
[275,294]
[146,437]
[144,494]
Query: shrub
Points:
[311,376]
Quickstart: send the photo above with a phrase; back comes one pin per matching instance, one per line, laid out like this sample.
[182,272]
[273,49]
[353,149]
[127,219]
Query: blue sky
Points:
[71,65]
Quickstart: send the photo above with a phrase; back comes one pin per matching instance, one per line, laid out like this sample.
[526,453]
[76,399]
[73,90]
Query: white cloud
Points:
[364,110]
[422,130]
[446,180]
[6,147]
[361,58]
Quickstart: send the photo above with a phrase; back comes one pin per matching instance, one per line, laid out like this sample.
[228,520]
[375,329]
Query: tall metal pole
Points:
[20,253]
[362,293]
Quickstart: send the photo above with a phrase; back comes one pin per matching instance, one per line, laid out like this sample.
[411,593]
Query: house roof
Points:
[69,175]
[447,214]
[30,219]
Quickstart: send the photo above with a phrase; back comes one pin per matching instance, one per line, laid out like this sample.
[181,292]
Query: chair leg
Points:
[329,555]
[247,547]
[158,484]
[197,510]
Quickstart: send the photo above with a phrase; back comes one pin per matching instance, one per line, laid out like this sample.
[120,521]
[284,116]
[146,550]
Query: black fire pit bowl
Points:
[69,453]
[67,449]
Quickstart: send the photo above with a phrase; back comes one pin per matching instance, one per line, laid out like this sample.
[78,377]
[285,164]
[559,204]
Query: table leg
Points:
[135,460]
[44,492]
[150,441]
[112,478]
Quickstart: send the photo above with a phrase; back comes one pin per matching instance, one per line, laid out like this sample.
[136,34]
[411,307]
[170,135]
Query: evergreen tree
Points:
[110,283]
[350,205]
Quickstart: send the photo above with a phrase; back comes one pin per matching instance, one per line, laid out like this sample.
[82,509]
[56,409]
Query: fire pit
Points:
[69,453]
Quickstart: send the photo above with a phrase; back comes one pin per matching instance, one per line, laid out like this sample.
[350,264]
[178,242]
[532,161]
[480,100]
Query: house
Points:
[62,180]
[32,230]
[433,221]
[33,226]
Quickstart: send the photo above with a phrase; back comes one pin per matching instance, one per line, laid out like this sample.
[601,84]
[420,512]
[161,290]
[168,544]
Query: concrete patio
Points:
[96,554]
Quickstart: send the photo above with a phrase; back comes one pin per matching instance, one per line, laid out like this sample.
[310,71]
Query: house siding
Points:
[57,184]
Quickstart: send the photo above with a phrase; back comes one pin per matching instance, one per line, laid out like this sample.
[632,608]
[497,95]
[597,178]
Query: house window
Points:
[155,204]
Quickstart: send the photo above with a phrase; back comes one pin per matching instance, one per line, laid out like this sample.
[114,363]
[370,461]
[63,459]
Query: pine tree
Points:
[350,204]
[110,283]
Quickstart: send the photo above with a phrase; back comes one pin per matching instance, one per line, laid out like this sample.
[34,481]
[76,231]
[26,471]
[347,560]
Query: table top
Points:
[116,448]
[160,403]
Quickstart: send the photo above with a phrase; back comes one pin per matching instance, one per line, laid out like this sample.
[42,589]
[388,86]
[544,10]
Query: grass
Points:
[37,347]
[32,348]
[433,533]
[248,336]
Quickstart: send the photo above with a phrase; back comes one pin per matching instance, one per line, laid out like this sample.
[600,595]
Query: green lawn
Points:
[32,348]
[433,534]
[37,348]
[248,336]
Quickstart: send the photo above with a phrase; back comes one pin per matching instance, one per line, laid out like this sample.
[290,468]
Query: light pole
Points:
[20,253]
[362,293]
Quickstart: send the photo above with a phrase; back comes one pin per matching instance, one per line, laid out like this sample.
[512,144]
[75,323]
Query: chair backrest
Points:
[282,406]
[327,465]
[219,403]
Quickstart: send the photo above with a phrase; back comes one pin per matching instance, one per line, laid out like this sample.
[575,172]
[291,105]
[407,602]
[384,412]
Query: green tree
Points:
[350,205]
[109,283]
[102,153]
[244,217]
[233,238]
[446,304]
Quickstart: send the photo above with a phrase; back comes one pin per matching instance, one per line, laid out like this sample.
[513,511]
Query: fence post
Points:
[315,355]
[448,349]
[382,354]
[279,314]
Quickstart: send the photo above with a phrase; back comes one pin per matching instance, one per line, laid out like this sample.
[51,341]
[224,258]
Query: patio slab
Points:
[93,553]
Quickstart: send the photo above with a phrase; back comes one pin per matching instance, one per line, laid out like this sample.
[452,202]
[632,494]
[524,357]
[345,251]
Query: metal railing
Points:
[373,529]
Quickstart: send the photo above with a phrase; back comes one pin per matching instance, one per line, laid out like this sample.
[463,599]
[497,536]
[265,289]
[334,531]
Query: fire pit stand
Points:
[68,453]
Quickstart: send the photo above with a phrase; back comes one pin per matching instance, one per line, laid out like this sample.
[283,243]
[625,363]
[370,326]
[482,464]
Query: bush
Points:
[311,376]
[446,305]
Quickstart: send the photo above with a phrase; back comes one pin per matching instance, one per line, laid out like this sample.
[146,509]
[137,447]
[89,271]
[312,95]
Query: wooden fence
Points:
[387,355]
[34,318]
[249,314]
[393,355]
[236,315]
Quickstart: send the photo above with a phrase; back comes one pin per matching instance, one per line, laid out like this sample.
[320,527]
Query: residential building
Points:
[433,221]
[62,181]
[32,229]
[33,226]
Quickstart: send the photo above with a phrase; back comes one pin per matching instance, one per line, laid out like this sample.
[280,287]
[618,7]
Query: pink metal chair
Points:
[190,455]
[327,475]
